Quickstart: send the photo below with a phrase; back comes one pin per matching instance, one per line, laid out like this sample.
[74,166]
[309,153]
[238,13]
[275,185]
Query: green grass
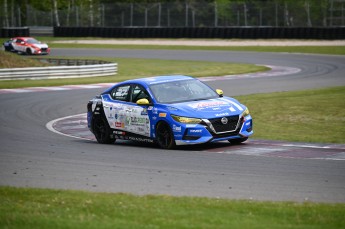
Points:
[43,208]
[333,50]
[303,116]
[11,60]
[129,68]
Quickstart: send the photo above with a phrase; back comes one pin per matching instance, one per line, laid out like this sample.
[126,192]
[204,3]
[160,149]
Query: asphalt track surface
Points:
[33,156]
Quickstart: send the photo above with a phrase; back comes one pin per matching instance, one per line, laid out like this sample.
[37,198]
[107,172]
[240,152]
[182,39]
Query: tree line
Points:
[306,13]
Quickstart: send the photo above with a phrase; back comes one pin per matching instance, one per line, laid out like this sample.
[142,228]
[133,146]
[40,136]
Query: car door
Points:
[139,121]
[123,113]
[18,45]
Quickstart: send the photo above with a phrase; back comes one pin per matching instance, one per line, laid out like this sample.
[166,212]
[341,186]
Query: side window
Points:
[139,93]
[121,93]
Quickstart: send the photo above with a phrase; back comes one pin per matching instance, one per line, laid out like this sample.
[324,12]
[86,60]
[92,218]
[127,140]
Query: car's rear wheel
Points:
[164,136]
[28,51]
[102,131]
[237,140]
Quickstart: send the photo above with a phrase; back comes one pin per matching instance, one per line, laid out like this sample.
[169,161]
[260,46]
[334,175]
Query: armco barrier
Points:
[70,69]
[329,33]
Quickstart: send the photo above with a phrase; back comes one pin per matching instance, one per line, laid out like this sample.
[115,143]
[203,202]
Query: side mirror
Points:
[22,42]
[219,92]
[143,102]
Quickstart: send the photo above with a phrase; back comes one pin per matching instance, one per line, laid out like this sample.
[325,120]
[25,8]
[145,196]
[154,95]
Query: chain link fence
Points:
[298,13]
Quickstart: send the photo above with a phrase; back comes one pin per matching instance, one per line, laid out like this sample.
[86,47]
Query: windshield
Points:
[32,41]
[182,91]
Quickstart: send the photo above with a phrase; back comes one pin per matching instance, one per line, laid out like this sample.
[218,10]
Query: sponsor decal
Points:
[140,139]
[208,105]
[232,109]
[119,124]
[177,128]
[119,132]
[172,108]
[154,117]
[162,115]
[236,105]
[195,131]
[138,121]
[191,125]
[155,110]
[144,112]
[150,108]
[222,114]
[128,121]
[141,129]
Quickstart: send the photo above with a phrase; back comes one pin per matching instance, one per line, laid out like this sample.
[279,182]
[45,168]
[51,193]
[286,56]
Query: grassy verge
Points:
[333,50]
[42,208]
[129,68]
[304,116]
[11,60]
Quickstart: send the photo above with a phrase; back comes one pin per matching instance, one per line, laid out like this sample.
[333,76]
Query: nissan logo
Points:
[224,120]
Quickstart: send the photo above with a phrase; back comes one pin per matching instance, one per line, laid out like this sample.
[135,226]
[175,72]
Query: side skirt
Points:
[124,135]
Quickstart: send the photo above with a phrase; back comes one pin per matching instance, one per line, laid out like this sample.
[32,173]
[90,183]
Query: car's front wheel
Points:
[28,51]
[237,140]
[164,136]
[102,131]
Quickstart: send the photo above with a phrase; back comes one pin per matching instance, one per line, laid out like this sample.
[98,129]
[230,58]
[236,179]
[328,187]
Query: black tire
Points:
[28,51]
[101,130]
[237,140]
[164,136]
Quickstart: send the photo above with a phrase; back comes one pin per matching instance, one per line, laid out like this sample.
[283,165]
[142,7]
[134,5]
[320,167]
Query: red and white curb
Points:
[275,71]
[76,126]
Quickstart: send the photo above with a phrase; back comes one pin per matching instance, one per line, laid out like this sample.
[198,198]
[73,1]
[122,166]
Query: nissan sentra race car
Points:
[27,45]
[168,110]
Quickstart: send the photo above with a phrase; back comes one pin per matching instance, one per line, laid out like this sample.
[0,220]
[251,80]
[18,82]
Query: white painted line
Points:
[50,127]
[307,146]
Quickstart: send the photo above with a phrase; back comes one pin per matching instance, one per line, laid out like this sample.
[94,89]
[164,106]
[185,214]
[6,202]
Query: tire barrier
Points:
[66,69]
[14,32]
[322,33]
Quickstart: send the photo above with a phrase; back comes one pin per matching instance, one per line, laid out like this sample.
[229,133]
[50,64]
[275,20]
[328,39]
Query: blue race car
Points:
[168,110]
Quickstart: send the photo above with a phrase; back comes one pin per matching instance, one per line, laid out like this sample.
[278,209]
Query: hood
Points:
[40,45]
[211,108]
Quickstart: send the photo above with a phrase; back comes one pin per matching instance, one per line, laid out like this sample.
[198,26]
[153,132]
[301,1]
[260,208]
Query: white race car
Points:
[29,45]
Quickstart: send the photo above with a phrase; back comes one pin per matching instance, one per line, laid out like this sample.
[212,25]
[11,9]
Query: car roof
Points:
[159,79]
[23,38]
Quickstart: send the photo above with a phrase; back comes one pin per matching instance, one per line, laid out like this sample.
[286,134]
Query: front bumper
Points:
[206,132]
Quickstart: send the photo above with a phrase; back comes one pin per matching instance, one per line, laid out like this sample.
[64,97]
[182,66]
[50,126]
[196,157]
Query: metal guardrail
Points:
[69,69]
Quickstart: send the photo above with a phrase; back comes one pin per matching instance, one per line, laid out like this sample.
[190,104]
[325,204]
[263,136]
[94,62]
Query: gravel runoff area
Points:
[209,42]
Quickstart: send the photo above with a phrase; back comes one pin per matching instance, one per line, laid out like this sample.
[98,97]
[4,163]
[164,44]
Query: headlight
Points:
[245,113]
[186,119]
